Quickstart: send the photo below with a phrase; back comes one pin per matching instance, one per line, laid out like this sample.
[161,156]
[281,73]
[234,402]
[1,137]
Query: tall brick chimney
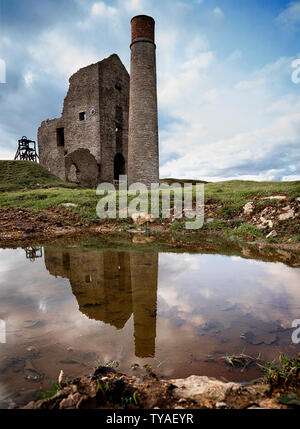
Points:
[143,160]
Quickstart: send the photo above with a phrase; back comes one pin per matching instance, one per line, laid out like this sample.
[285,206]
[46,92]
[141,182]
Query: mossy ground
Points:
[25,175]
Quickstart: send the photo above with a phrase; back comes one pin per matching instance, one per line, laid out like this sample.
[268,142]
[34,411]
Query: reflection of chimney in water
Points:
[144,268]
[110,286]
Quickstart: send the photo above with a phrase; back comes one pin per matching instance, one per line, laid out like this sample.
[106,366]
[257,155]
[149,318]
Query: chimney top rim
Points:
[143,16]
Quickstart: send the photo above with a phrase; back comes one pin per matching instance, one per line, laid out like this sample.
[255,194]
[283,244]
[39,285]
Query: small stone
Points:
[288,215]
[265,223]
[221,405]
[142,218]
[275,197]
[69,205]
[248,208]
[272,234]
[67,402]
[60,377]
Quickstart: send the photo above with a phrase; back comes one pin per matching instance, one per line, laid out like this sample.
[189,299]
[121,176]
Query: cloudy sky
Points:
[228,106]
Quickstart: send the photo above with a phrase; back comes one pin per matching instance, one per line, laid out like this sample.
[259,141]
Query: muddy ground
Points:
[20,228]
[107,389]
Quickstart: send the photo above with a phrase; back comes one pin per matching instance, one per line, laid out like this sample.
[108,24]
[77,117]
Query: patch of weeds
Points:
[49,393]
[272,240]
[287,372]
[230,209]
[234,223]
[132,399]
[290,399]
[104,389]
[134,365]
[246,230]
[242,360]
[111,364]
[215,224]
[175,226]
[148,367]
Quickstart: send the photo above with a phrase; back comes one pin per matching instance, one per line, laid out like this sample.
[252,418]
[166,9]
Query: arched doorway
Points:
[119,166]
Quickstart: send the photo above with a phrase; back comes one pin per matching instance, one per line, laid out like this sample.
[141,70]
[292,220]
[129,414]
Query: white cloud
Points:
[208,160]
[218,13]
[250,84]
[134,6]
[6,154]
[230,131]
[56,54]
[102,10]
[2,71]
[291,178]
[290,17]
[29,78]
[202,61]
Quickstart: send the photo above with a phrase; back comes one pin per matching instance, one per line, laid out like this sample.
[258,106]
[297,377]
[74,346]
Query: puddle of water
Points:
[71,309]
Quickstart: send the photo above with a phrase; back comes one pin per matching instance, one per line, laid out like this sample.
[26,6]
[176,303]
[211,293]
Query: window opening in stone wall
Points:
[82,116]
[119,115]
[118,86]
[60,137]
[119,139]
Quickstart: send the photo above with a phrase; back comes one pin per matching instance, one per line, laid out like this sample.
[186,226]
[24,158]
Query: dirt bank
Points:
[106,388]
[21,228]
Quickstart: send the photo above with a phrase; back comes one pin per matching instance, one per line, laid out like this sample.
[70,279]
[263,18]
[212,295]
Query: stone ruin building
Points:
[108,125]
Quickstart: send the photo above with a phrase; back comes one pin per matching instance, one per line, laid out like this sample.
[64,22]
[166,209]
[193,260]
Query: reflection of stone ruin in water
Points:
[110,286]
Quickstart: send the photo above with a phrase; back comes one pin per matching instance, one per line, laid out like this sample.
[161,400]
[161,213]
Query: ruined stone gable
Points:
[88,144]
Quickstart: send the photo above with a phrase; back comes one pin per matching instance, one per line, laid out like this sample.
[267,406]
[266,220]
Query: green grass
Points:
[238,191]
[49,393]
[18,175]
[245,230]
[286,372]
[234,194]
[28,186]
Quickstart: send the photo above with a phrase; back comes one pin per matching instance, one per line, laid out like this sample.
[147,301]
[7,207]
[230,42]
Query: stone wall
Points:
[83,97]
[94,118]
[114,112]
[51,155]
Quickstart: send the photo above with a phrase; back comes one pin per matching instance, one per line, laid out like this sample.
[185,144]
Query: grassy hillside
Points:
[20,175]
[28,186]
